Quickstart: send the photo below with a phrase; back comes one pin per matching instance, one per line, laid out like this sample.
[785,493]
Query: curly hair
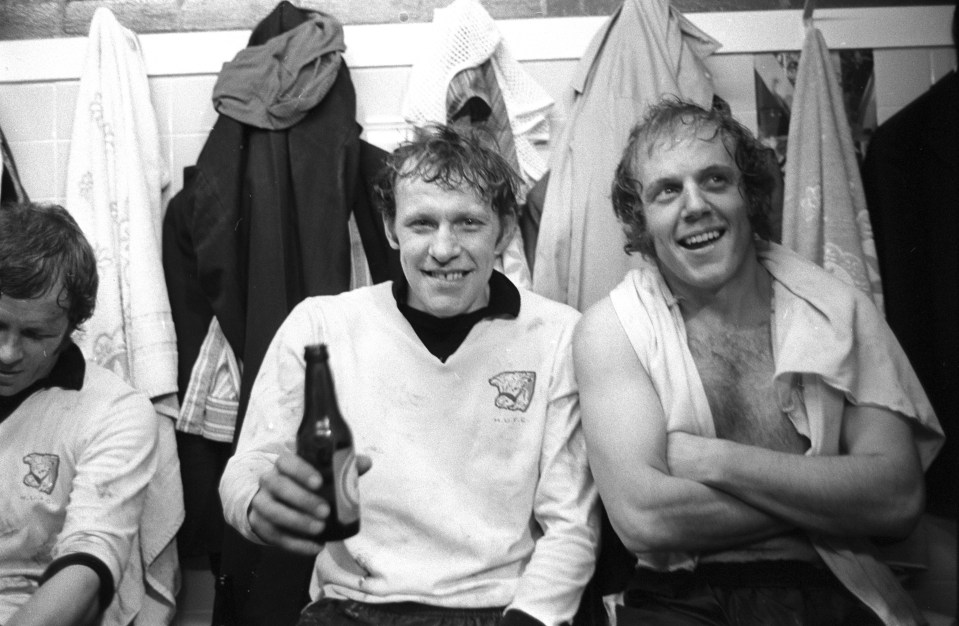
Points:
[670,118]
[41,247]
[452,158]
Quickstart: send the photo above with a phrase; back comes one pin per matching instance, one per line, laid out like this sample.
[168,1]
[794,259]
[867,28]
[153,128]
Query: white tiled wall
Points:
[37,117]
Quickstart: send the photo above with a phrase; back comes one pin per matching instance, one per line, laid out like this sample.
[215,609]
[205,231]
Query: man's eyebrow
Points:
[413,214]
[719,168]
[43,322]
[655,184]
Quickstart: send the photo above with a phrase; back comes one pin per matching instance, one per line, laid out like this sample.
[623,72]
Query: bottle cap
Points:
[316,352]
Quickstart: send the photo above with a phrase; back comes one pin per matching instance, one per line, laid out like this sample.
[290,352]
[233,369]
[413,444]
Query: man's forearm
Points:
[69,598]
[840,495]
[681,515]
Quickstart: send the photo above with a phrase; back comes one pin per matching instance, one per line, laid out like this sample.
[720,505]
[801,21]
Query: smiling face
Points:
[33,332]
[448,242]
[696,214]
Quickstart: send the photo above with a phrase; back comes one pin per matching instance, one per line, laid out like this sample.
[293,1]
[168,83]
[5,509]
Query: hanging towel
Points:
[464,37]
[115,175]
[146,594]
[645,51]
[824,207]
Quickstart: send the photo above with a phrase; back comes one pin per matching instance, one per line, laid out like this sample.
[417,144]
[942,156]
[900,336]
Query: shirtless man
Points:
[750,420]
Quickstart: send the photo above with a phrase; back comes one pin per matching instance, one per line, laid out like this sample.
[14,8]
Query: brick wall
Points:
[33,19]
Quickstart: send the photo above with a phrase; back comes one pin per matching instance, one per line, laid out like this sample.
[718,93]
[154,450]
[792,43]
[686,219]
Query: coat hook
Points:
[807,11]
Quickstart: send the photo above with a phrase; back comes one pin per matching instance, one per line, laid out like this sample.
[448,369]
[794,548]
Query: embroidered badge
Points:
[44,469]
[515,389]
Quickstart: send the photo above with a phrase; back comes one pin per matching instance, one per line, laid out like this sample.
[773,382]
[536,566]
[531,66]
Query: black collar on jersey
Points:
[443,335]
[67,373]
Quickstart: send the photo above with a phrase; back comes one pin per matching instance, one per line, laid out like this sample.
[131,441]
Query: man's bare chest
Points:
[736,368]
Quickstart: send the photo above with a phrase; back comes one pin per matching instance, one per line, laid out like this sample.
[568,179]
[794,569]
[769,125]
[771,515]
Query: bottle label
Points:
[347,486]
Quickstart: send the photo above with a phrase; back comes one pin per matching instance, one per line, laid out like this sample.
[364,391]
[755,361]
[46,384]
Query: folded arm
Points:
[872,488]
[625,426]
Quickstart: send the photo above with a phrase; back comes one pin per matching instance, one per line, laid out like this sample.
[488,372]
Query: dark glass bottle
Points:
[325,441]
[224,602]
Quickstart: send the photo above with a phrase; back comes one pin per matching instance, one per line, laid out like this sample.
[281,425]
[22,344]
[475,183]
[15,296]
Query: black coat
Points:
[261,224]
[911,180]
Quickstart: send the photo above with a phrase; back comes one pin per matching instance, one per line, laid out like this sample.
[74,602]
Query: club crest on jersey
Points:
[44,469]
[515,389]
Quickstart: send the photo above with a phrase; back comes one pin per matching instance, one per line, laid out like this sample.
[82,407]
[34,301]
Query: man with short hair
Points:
[77,444]
[478,507]
[751,420]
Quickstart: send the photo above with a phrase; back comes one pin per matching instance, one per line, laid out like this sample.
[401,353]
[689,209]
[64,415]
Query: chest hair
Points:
[736,368]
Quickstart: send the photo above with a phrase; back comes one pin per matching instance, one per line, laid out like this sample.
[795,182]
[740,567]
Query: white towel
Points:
[464,35]
[115,176]
[146,593]
[824,207]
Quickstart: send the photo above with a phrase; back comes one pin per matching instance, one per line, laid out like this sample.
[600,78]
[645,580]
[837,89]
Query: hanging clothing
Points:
[115,176]
[213,394]
[475,100]
[468,73]
[262,220]
[464,36]
[11,190]
[644,51]
[274,85]
[824,208]
[911,180]
[261,223]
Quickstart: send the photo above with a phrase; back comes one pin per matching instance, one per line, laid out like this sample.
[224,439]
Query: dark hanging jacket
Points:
[911,181]
[11,190]
[261,224]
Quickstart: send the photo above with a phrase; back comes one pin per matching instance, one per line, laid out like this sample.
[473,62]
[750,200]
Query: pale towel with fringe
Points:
[115,176]
[824,207]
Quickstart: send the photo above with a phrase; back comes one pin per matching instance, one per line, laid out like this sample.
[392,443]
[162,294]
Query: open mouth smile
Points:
[446,275]
[701,240]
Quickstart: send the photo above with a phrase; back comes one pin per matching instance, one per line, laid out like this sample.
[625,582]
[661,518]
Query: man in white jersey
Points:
[77,444]
[751,420]
[478,507]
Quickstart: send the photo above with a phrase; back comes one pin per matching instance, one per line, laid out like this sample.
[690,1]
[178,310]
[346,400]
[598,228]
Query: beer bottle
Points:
[325,441]
[224,602]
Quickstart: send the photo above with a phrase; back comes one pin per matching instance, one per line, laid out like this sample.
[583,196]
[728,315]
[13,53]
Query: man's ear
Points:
[389,226]
[508,224]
